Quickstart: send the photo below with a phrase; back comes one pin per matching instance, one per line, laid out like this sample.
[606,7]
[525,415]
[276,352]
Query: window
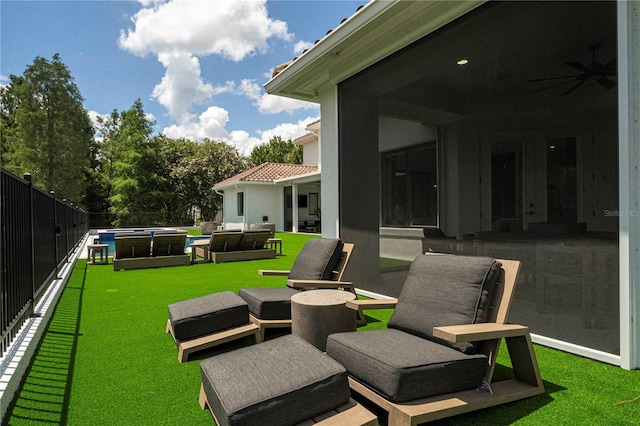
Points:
[410,186]
[240,203]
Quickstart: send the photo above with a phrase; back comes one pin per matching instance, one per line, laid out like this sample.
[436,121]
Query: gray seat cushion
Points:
[403,367]
[282,381]
[207,314]
[445,290]
[268,303]
[317,260]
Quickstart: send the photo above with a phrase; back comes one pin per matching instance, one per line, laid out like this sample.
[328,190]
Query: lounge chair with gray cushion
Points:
[437,356]
[320,264]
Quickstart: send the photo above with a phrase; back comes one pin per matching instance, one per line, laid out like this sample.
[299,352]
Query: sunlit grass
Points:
[106,359]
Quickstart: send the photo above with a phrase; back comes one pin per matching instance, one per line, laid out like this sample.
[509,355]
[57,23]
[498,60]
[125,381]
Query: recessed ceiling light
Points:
[463,62]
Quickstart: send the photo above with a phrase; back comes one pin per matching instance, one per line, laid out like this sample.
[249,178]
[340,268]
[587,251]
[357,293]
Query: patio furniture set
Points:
[435,359]
[146,250]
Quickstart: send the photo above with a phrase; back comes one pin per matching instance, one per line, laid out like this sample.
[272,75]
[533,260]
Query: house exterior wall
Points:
[310,153]
[264,200]
[230,209]
[328,98]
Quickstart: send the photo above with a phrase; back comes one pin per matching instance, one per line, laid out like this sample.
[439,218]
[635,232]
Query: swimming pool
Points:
[107,236]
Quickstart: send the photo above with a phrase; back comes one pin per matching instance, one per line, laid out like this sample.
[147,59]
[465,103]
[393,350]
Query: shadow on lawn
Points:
[44,393]
[500,415]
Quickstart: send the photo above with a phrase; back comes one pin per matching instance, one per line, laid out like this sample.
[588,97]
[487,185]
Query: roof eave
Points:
[240,183]
[377,30]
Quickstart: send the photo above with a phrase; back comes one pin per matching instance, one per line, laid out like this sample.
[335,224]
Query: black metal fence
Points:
[37,234]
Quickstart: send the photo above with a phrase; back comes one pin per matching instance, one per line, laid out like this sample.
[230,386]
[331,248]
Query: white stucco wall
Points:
[230,209]
[264,200]
[310,154]
[328,98]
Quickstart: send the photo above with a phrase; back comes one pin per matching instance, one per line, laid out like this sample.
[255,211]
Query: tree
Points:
[213,162]
[277,151]
[178,204]
[131,168]
[46,129]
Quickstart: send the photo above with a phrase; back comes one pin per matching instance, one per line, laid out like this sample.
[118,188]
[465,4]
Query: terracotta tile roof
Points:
[269,172]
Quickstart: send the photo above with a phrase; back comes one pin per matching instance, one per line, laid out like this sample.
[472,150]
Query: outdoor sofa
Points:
[141,250]
[231,246]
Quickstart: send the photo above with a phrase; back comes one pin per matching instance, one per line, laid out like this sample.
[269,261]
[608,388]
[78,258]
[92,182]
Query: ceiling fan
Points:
[595,70]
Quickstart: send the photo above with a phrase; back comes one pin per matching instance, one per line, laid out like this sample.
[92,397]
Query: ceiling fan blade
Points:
[578,66]
[573,88]
[554,85]
[606,83]
[553,78]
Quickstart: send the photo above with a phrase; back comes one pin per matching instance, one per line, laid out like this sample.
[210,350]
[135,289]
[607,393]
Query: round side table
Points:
[317,313]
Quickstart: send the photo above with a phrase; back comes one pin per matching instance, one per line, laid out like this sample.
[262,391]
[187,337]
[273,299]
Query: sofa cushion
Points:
[443,290]
[317,260]
[207,314]
[222,241]
[403,367]
[268,303]
[283,381]
[254,239]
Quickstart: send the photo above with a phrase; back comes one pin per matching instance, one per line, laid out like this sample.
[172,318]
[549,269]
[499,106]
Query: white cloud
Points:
[212,123]
[300,46]
[180,31]
[243,142]
[271,104]
[232,29]
[288,130]
[181,85]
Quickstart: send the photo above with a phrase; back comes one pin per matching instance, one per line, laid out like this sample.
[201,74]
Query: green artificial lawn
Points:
[106,359]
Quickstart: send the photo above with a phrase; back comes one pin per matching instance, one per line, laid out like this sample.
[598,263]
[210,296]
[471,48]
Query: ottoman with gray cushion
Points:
[268,303]
[406,361]
[283,381]
[207,314]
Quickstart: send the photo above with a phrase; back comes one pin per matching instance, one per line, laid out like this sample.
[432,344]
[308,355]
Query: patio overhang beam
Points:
[306,178]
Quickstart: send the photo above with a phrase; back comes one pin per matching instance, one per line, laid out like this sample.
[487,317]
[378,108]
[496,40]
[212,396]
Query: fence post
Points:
[32,266]
[56,231]
[66,236]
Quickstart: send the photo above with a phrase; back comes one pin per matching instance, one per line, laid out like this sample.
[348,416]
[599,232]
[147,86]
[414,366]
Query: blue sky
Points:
[197,65]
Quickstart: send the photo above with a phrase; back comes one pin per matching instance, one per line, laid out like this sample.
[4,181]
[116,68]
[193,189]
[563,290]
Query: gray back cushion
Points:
[317,259]
[443,290]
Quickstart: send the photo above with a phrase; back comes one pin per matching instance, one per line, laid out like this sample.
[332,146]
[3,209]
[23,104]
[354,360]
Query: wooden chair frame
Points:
[352,414]
[526,382]
[257,326]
